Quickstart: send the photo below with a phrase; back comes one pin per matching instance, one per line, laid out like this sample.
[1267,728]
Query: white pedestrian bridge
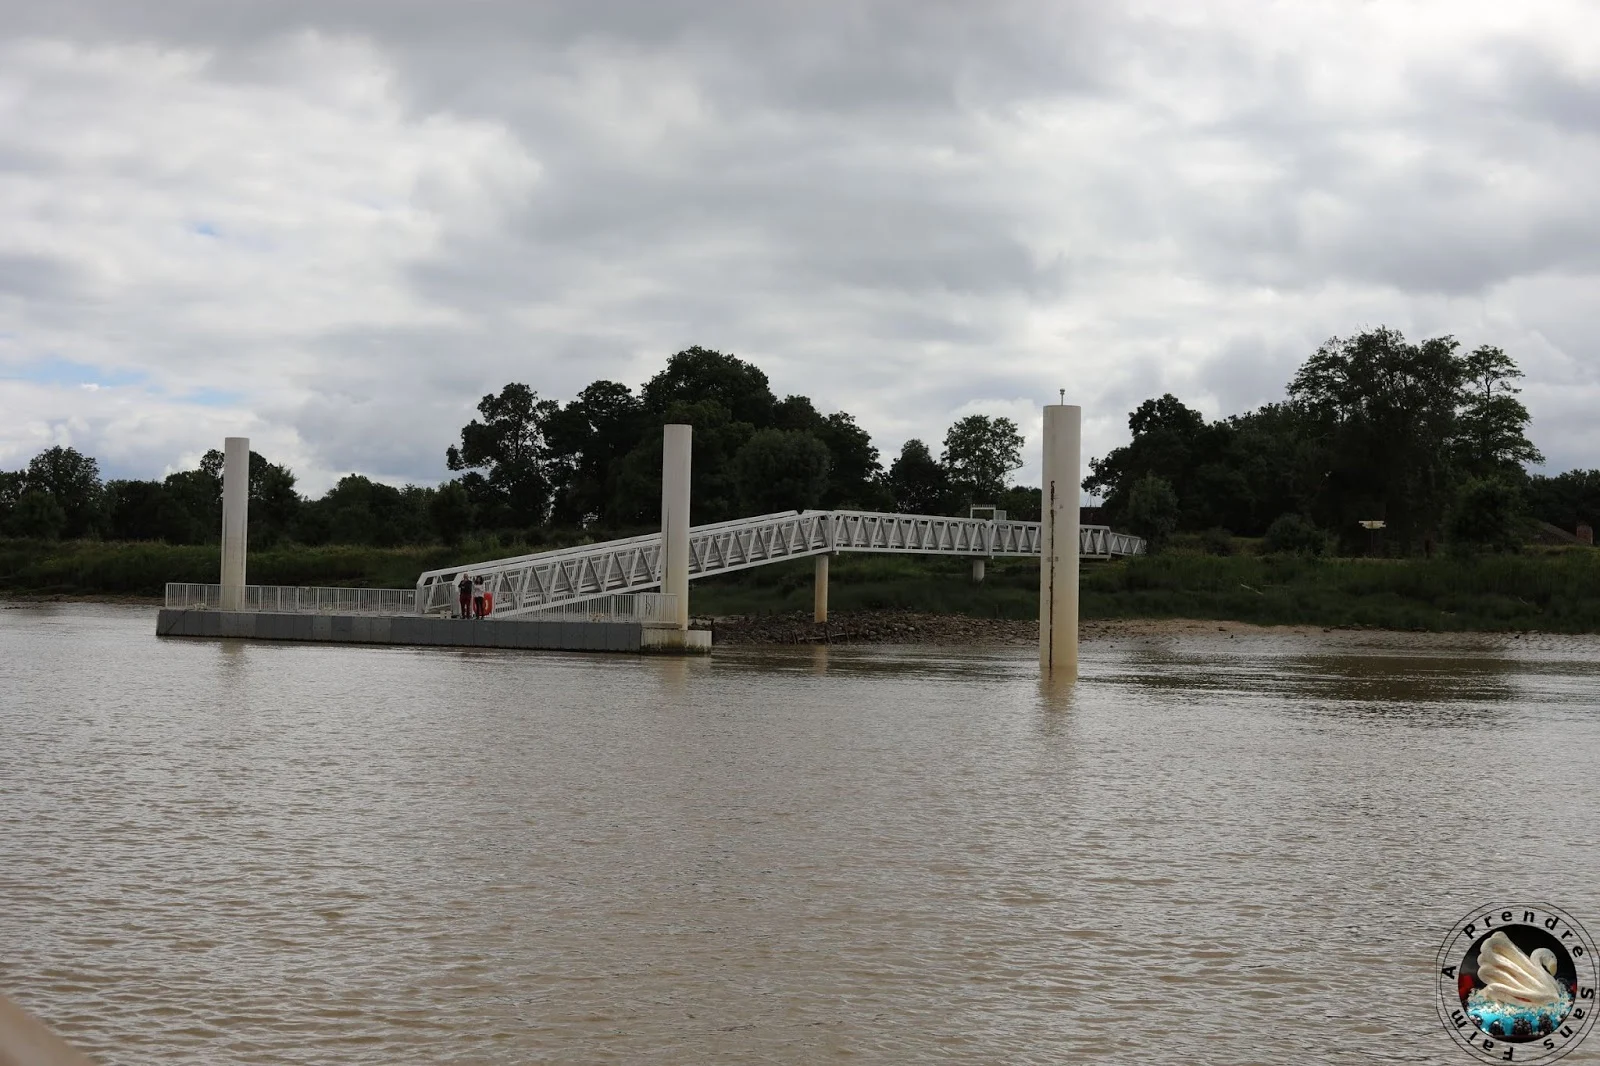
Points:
[544,581]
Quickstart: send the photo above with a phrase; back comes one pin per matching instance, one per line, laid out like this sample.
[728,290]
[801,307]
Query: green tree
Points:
[697,374]
[1566,499]
[1491,436]
[274,504]
[588,439]
[450,513]
[1294,534]
[1173,442]
[1022,503]
[1277,470]
[133,509]
[13,483]
[73,480]
[358,510]
[716,495]
[1382,413]
[796,412]
[781,470]
[1487,514]
[855,476]
[980,452]
[1153,510]
[510,446]
[918,482]
[190,511]
[37,514]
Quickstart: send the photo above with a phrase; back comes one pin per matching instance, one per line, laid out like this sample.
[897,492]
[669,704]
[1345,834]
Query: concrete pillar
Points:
[977,571]
[235,519]
[1058,558]
[676,449]
[819,591]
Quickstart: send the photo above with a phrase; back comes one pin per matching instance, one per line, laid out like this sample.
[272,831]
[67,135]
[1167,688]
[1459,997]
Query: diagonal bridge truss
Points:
[571,575]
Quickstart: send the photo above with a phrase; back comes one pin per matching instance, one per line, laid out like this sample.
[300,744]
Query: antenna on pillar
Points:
[1063,397]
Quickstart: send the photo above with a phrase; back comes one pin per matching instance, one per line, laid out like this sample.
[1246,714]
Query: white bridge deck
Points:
[538,582]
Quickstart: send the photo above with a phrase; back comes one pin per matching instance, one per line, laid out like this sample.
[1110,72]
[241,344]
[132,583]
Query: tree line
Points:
[1425,438]
[528,466]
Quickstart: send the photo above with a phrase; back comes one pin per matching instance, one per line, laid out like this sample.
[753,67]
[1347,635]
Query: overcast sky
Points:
[333,225]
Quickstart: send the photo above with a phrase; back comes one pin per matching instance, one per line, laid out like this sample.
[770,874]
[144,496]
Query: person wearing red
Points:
[464,590]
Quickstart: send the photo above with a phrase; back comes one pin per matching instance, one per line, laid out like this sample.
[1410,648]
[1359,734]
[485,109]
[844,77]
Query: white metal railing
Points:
[530,583]
[295,599]
[647,607]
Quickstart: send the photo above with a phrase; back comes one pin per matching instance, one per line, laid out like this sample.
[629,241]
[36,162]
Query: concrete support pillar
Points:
[676,449]
[1058,549]
[235,519]
[819,591]
[977,571]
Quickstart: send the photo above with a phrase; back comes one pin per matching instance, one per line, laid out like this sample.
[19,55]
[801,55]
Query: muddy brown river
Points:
[1213,850]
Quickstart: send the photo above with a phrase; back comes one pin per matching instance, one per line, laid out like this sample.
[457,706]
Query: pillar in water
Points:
[676,449]
[819,591]
[1058,547]
[235,519]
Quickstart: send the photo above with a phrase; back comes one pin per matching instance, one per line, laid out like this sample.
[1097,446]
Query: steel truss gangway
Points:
[544,580]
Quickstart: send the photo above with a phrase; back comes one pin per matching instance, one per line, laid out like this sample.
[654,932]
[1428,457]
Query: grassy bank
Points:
[87,568]
[1550,591]
[1542,589]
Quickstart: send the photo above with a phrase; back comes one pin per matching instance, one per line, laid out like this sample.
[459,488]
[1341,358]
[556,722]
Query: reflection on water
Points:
[1209,850]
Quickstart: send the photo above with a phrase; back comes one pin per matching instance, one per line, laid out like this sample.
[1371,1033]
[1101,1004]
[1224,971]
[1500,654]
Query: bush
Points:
[1217,542]
[1153,510]
[37,515]
[1487,515]
[1293,534]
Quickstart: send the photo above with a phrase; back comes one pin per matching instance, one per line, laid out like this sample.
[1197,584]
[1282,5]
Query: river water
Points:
[1214,849]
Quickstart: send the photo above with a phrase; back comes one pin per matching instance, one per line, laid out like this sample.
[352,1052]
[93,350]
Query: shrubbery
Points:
[1293,534]
[1487,515]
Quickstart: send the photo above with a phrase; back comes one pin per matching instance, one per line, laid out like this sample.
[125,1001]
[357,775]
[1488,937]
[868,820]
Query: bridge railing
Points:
[294,599]
[526,584]
[650,608]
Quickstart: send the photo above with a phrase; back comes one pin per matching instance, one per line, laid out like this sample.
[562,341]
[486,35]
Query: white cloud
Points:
[341,224]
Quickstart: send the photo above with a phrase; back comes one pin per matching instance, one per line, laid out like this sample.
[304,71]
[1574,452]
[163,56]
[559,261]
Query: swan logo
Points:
[1517,983]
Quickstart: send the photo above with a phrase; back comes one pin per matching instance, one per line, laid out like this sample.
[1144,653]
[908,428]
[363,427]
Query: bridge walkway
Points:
[538,582]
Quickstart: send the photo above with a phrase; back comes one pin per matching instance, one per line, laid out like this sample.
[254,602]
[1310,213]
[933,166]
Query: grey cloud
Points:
[37,277]
[897,208]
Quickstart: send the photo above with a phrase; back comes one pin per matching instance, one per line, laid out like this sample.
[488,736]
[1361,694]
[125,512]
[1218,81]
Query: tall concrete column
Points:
[676,449]
[819,591]
[977,571]
[235,519]
[1058,549]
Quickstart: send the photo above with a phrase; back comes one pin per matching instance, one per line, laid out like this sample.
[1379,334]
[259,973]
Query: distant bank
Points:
[1540,589]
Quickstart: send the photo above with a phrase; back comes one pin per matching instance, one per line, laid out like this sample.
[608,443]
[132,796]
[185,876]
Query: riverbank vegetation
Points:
[1547,589]
[92,568]
[1390,487]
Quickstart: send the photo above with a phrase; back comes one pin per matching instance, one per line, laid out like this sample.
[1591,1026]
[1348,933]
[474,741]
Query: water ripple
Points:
[1206,852]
